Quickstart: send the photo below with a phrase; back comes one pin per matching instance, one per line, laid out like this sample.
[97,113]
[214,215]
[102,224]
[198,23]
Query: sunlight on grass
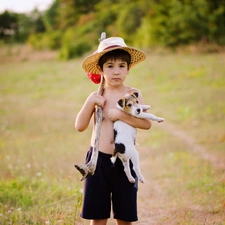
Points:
[39,146]
[38,200]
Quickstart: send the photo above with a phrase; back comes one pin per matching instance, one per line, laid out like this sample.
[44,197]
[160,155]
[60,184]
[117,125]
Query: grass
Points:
[39,101]
[193,190]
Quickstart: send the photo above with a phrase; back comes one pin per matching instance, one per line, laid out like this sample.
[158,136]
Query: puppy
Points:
[125,135]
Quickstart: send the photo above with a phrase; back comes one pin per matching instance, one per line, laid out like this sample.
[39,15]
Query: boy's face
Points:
[115,71]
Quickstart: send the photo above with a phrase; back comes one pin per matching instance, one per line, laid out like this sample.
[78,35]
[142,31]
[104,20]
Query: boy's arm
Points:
[129,119]
[116,114]
[84,116]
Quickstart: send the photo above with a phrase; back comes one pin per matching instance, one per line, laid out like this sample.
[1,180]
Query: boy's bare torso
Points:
[106,142]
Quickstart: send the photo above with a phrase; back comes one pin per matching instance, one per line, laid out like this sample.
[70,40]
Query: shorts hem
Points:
[94,218]
[127,220]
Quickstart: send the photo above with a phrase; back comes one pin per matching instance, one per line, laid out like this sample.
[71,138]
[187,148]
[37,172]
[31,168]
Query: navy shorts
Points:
[109,186]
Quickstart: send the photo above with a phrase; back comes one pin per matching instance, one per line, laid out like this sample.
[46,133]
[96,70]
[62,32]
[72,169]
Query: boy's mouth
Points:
[116,79]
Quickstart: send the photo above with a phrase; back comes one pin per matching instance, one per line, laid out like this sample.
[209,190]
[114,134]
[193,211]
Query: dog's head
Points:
[129,103]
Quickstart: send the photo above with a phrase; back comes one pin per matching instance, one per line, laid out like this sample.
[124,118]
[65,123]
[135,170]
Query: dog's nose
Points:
[138,111]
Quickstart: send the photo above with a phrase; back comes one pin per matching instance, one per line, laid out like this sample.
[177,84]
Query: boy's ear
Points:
[128,69]
[100,70]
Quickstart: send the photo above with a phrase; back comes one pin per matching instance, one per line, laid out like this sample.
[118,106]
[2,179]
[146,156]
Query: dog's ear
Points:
[121,102]
[135,94]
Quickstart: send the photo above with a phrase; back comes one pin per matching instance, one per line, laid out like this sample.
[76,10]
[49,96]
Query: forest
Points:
[72,26]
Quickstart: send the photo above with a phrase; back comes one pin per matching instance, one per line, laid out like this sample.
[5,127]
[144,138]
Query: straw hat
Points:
[90,63]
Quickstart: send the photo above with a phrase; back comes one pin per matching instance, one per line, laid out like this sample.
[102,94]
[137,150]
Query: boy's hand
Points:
[97,99]
[114,114]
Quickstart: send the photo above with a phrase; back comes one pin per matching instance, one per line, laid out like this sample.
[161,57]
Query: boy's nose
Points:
[116,71]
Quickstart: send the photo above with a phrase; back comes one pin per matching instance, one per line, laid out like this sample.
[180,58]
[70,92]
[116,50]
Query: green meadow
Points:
[39,100]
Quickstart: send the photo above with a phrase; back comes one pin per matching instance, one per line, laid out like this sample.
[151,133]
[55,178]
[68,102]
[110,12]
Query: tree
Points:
[37,22]
[177,22]
[8,26]
[129,20]
[216,21]
[50,17]
[67,14]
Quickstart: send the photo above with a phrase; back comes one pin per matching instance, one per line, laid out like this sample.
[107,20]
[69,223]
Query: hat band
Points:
[112,46]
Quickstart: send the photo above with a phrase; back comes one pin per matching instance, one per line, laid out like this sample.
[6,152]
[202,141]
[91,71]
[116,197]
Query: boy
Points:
[113,60]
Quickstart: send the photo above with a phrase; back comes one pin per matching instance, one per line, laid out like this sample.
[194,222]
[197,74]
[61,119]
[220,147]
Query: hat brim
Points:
[90,63]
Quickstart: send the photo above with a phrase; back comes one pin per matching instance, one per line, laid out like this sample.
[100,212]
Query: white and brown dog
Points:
[125,135]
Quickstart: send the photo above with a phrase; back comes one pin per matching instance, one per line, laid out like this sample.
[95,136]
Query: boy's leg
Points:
[121,222]
[124,196]
[97,195]
[99,222]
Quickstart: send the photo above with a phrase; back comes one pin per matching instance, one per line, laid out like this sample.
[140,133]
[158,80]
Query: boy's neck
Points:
[115,88]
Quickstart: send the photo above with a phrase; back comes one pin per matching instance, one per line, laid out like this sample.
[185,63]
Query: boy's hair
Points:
[114,55]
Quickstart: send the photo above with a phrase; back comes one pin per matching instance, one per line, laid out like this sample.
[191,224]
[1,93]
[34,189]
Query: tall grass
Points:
[39,146]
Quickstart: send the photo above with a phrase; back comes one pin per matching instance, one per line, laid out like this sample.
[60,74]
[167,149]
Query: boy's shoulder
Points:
[140,97]
[132,89]
[121,92]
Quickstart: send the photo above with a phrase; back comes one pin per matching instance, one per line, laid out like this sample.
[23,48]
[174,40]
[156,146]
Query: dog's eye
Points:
[129,105]
[137,102]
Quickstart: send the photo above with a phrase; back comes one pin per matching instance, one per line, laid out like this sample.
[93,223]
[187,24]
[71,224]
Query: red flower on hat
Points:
[96,78]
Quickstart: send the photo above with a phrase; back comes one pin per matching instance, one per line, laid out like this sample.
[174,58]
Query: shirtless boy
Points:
[109,185]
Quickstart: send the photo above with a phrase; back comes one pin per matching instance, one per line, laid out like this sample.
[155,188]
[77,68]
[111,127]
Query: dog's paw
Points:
[161,120]
[145,107]
[141,179]
[132,180]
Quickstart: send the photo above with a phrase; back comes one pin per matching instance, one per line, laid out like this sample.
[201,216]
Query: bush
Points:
[69,51]
[129,20]
[50,40]
[177,23]
[53,40]
[35,41]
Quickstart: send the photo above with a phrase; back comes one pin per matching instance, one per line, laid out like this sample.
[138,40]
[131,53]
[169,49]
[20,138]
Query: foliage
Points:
[183,22]
[216,23]
[73,50]
[17,27]
[26,25]
[50,40]
[50,17]
[132,14]
[8,26]
[53,39]
[146,23]
[67,14]
[106,15]
[37,20]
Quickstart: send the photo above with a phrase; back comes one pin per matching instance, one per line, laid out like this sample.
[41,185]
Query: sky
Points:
[23,6]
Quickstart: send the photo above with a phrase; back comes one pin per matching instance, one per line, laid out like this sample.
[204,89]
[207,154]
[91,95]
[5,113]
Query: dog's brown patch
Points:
[128,101]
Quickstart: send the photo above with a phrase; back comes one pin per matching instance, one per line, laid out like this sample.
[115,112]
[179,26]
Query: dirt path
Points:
[155,207]
[194,147]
